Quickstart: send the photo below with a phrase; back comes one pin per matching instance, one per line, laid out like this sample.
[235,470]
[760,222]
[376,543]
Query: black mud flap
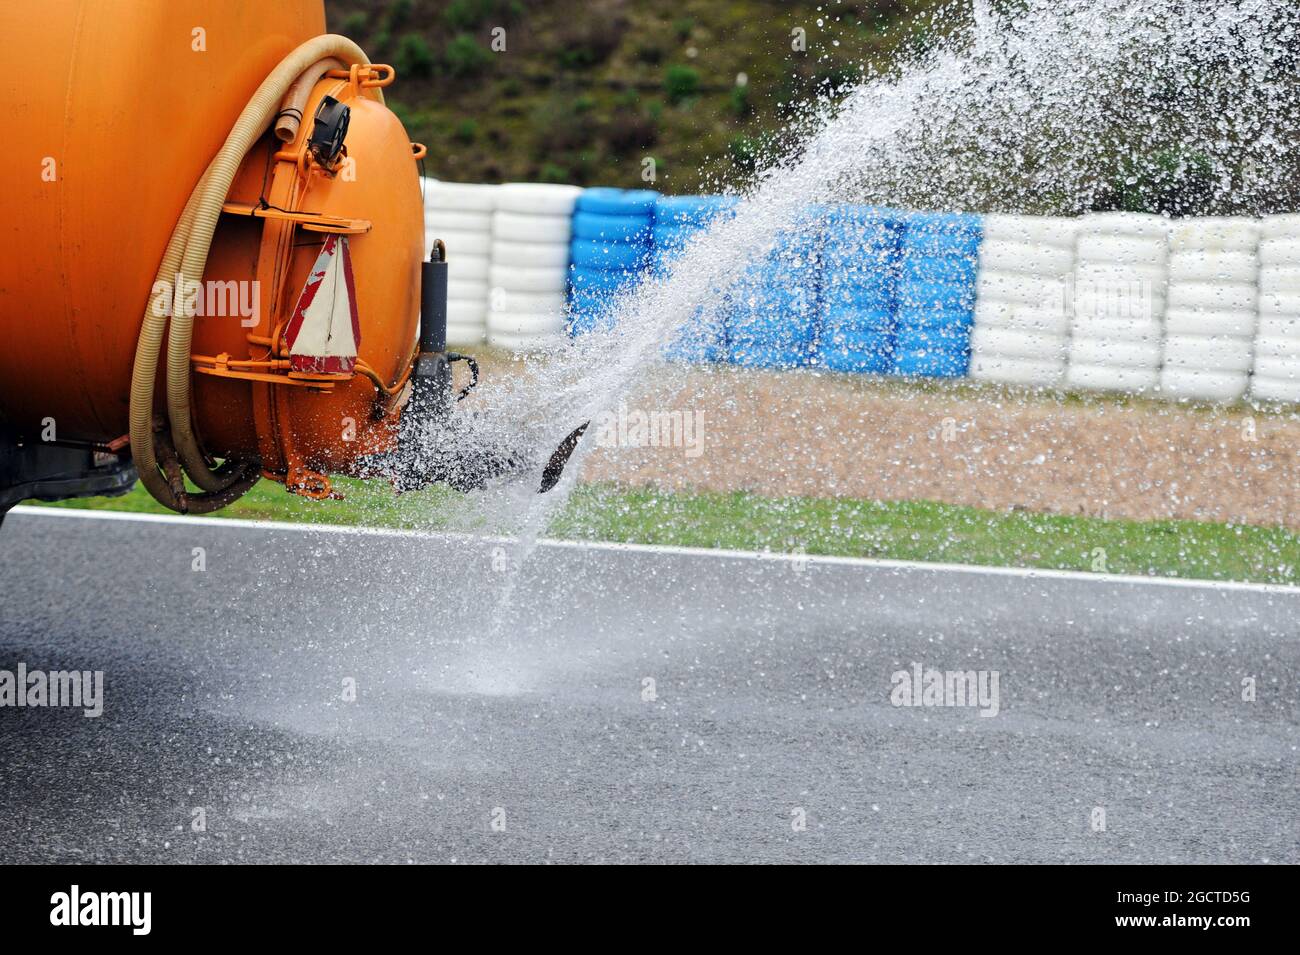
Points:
[559,458]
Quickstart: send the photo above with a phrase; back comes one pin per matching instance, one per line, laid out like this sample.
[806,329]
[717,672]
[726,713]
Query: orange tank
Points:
[112,121]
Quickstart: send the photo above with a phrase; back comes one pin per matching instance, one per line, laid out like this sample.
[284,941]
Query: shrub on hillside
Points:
[398,14]
[629,131]
[414,57]
[744,153]
[1174,182]
[550,172]
[465,57]
[561,127]
[589,39]
[466,131]
[472,14]
[354,25]
[681,82]
[739,100]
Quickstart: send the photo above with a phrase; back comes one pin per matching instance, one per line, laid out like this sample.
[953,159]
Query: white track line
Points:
[768,556]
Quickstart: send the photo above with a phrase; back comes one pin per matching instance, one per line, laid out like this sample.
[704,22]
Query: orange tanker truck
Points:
[212,267]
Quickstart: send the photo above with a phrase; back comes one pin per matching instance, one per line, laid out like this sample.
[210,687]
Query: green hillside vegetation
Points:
[585,93]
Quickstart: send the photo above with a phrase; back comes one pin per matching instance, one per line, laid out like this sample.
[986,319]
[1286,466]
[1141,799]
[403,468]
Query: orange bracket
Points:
[311,221]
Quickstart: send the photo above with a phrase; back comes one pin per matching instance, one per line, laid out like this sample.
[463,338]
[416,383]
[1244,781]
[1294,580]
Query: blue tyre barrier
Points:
[874,321]
[936,296]
[678,218]
[866,354]
[700,339]
[932,244]
[868,292]
[938,269]
[592,300]
[612,245]
[606,280]
[775,309]
[956,269]
[860,289]
[596,254]
[670,234]
[931,364]
[617,202]
[691,211]
[908,319]
[591,225]
[586,322]
[760,353]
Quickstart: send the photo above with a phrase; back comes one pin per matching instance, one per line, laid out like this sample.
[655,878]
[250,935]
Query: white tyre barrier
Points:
[1280,251]
[467,268]
[1280,226]
[1219,353]
[460,214]
[1276,371]
[460,243]
[464,312]
[1213,279]
[531,230]
[1285,390]
[1016,371]
[473,290]
[1210,296]
[1123,250]
[537,198]
[525,332]
[1215,322]
[1047,320]
[1021,328]
[1107,272]
[438,220]
[523,279]
[1119,301]
[1009,287]
[1208,234]
[1024,318]
[1103,329]
[1013,343]
[466,322]
[1111,377]
[1200,385]
[1279,278]
[1204,266]
[1037,230]
[1110,351]
[1279,326]
[533,255]
[459,196]
[524,323]
[517,227]
[544,342]
[504,300]
[1026,258]
[1284,349]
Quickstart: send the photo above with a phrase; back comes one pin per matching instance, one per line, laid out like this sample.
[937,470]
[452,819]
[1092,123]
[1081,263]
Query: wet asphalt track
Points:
[223,691]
